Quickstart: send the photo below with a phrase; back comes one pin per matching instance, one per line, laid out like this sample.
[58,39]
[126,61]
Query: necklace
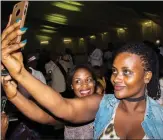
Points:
[136,99]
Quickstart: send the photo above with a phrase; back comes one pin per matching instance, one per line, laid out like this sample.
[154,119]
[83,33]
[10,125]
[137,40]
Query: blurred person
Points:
[68,51]
[32,61]
[161,49]
[160,100]
[57,72]
[96,57]
[101,82]
[108,55]
[31,66]
[100,89]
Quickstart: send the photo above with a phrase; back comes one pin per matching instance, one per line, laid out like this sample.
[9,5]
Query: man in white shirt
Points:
[57,78]
[31,67]
[96,57]
[56,73]
[161,50]
[160,100]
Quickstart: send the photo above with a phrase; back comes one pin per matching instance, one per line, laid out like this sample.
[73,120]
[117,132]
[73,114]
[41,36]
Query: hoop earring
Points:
[72,87]
[146,90]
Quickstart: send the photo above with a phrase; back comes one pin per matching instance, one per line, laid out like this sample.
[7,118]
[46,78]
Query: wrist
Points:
[21,75]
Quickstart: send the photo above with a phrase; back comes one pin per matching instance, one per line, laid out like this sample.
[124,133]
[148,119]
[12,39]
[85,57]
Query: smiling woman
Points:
[82,81]
[135,80]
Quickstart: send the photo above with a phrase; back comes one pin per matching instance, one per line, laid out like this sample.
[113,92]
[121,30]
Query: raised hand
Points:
[12,58]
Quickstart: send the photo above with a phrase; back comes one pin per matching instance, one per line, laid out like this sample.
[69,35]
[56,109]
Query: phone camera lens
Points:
[18,12]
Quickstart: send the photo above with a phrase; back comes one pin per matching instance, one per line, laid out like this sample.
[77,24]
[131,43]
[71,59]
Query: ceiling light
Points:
[93,37]
[74,3]
[66,6]
[44,42]
[120,30]
[48,27]
[56,18]
[157,42]
[147,23]
[67,40]
[48,31]
[81,39]
[43,38]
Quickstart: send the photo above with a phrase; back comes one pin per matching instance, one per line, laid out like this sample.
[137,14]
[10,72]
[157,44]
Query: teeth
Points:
[84,91]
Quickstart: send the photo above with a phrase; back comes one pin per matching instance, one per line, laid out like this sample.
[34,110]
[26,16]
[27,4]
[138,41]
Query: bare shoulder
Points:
[91,98]
[83,109]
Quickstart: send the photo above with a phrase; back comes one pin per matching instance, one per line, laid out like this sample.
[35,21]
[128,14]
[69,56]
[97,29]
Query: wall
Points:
[132,33]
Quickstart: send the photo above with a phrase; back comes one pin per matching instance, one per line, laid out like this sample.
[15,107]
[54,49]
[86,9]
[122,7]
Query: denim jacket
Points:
[153,118]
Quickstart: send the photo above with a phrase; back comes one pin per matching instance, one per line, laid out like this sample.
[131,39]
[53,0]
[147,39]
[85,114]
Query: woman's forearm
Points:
[31,110]
[44,95]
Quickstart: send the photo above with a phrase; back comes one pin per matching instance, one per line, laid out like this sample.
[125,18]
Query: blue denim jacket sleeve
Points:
[153,118]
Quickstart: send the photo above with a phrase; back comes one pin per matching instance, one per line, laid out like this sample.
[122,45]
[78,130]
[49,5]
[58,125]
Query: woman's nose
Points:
[118,78]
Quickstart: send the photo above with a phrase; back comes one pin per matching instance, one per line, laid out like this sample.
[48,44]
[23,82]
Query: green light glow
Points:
[93,37]
[81,39]
[81,42]
[48,27]
[120,30]
[66,6]
[56,18]
[74,3]
[43,38]
[44,42]
[67,40]
[48,31]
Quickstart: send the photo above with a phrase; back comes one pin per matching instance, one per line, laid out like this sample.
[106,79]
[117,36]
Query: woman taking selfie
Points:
[130,113]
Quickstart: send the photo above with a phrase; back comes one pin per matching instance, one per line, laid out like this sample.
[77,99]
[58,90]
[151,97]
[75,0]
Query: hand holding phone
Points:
[19,13]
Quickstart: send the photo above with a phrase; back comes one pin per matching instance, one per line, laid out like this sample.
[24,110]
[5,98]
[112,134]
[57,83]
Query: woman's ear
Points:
[147,77]
[72,87]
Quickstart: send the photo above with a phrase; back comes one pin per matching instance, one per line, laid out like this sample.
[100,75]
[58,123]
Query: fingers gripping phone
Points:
[19,12]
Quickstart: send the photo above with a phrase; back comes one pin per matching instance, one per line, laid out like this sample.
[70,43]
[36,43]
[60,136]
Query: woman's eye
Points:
[89,80]
[114,71]
[77,81]
[127,72]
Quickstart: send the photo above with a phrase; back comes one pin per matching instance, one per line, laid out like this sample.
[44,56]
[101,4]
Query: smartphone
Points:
[19,12]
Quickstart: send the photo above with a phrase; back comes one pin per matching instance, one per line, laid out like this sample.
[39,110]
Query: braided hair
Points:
[150,63]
